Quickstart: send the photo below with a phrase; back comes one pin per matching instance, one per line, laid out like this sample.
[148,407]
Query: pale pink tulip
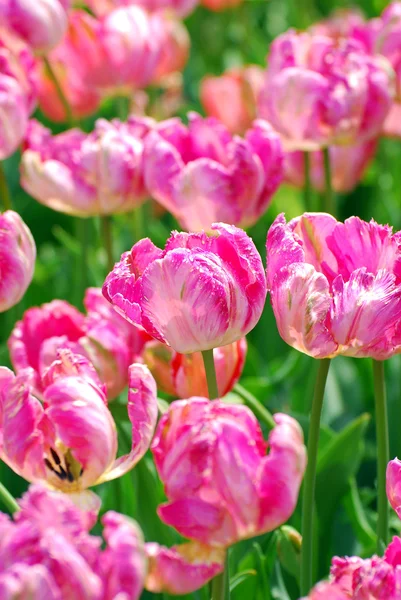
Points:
[183,375]
[232,97]
[47,553]
[220,484]
[79,54]
[319,91]
[18,89]
[198,293]
[201,174]
[219,5]
[40,23]
[181,7]
[326,591]
[131,42]
[348,164]
[83,174]
[336,287]
[70,441]
[17,259]
[175,49]
[182,569]
[393,485]
[342,23]
[102,336]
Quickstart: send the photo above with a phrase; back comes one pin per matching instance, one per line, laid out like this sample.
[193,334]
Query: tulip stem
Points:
[219,585]
[383,452]
[307,184]
[259,410]
[210,369]
[107,240]
[308,499]
[8,500]
[82,233]
[63,99]
[4,191]
[328,201]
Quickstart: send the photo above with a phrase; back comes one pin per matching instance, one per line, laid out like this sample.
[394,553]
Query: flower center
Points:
[64,465]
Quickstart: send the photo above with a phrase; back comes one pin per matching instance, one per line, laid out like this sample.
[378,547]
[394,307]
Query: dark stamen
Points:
[50,466]
[55,456]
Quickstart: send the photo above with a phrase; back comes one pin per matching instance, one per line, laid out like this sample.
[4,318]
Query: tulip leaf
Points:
[241,577]
[358,518]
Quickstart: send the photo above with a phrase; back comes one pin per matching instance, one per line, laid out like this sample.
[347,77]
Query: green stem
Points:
[308,499]
[4,191]
[257,407]
[138,223]
[383,452]
[107,240]
[307,184]
[219,586]
[7,500]
[63,99]
[211,378]
[328,202]
[82,233]
[123,107]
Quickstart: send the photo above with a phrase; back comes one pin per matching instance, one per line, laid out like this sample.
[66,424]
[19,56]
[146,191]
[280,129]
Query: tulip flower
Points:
[48,553]
[105,338]
[78,54]
[17,259]
[174,51]
[70,441]
[335,287]
[393,485]
[182,8]
[131,42]
[183,375]
[100,173]
[41,23]
[17,93]
[348,164]
[203,449]
[198,293]
[232,97]
[202,174]
[320,92]
[343,23]
[182,569]
[326,591]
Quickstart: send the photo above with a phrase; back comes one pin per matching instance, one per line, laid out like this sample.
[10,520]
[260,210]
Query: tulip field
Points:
[200,300]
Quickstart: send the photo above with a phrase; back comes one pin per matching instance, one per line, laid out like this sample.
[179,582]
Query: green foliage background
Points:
[275,374]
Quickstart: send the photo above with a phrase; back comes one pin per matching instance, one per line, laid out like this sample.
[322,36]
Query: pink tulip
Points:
[348,164]
[130,41]
[201,174]
[183,375]
[83,174]
[17,92]
[319,91]
[221,486]
[181,7]
[174,51]
[343,23]
[17,259]
[182,569]
[326,591]
[70,441]
[375,578]
[393,485]
[105,338]
[335,287]
[47,553]
[219,5]
[232,97]
[41,23]
[78,54]
[198,293]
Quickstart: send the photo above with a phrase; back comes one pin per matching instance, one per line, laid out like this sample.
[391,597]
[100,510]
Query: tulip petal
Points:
[364,309]
[393,485]
[124,560]
[182,569]
[283,248]
[199,520]
[301,303]
[281,473]
[142,412]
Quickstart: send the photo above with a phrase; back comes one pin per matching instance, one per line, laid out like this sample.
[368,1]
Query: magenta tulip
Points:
[198,293]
